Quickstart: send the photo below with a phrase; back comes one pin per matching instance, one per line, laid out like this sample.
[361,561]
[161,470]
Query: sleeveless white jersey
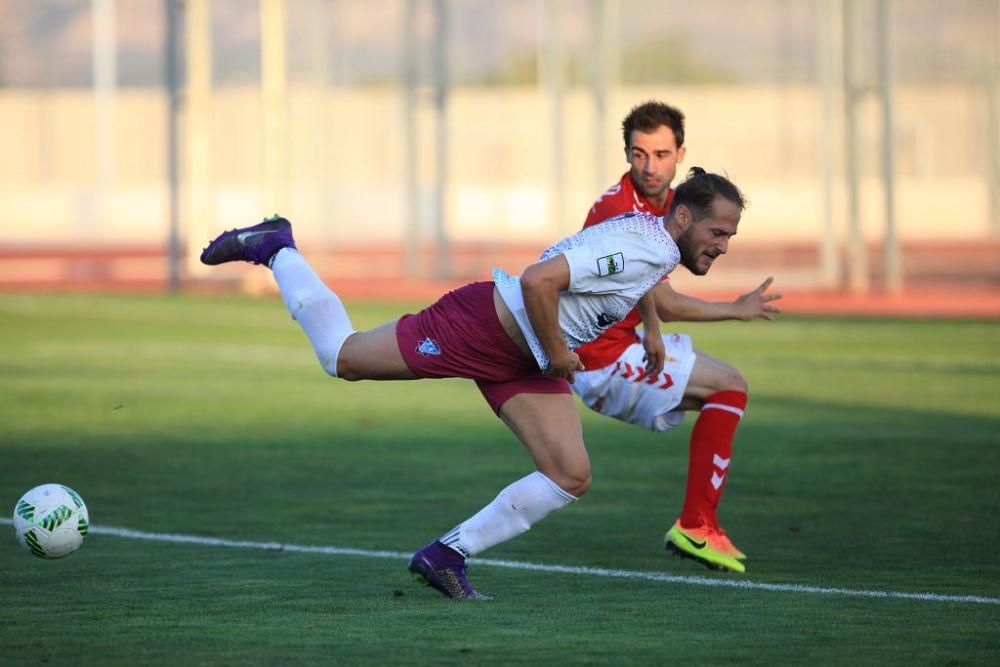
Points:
[611,265]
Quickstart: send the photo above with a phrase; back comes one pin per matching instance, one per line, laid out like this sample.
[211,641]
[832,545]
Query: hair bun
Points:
[696,171]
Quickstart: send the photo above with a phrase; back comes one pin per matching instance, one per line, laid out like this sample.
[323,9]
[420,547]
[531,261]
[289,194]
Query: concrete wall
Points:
[346,164]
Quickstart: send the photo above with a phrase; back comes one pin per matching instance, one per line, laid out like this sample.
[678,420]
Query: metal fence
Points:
[434,138]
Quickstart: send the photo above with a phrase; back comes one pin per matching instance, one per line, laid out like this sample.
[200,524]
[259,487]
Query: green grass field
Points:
[869,460]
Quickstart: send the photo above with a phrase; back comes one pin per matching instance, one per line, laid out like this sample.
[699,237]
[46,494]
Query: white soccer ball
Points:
[51,521]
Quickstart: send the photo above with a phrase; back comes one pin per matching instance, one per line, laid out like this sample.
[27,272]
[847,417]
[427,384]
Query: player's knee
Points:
[732,380]
[575,482]
[348,375]
[344,370]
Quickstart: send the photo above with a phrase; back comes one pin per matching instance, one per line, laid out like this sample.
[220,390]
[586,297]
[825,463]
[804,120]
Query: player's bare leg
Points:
[708,376]
[373,355]
[549,427]
[342,351]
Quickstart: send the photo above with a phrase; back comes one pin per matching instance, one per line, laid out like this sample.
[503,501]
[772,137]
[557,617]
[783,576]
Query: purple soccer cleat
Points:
[443,568]
[256,244]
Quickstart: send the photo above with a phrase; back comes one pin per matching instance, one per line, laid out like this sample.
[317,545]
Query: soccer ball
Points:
[51,521]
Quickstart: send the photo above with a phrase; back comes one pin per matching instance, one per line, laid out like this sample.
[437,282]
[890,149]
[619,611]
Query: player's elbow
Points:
[549,276]
[535,280]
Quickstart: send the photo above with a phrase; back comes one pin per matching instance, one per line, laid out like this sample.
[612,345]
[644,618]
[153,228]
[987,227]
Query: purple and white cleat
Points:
[443,568]
[256,244]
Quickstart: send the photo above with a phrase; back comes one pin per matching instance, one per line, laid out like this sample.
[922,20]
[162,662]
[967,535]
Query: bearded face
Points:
[702,241]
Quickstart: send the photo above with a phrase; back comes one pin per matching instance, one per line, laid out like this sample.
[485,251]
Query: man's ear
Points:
[682,217]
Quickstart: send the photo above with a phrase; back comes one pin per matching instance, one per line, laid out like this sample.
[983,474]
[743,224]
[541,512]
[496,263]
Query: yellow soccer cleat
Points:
[722,543]
[696,543]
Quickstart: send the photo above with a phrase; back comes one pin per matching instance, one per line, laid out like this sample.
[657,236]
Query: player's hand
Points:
[565,366]
[756,305]
[656,353]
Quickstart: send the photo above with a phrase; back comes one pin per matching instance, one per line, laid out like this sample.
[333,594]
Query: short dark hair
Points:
[700,189]
[650,115]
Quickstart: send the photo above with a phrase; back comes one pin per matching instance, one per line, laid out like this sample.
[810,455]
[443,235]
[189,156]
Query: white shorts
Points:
[619,390]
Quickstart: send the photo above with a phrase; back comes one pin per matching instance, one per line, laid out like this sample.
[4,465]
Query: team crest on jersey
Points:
[428,347]
[610,264]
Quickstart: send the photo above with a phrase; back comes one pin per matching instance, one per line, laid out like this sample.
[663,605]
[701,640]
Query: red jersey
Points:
[619,199]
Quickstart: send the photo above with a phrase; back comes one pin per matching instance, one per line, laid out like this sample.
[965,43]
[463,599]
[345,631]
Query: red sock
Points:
[711,449]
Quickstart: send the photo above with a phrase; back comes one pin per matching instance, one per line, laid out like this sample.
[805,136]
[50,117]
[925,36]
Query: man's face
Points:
[702,241]
[654,157]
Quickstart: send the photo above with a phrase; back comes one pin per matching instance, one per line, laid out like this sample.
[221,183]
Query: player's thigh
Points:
[549,427]
[621,391]
[708,376]
[373,355]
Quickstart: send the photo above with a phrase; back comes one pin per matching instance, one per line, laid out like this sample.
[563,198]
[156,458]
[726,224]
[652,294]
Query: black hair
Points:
[650,115]
[700,189]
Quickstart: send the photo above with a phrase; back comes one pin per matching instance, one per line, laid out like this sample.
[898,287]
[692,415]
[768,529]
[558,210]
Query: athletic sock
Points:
[711,449]
[515,509]
[313,305]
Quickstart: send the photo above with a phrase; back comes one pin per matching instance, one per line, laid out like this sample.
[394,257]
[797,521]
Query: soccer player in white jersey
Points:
[515,337]
[613,383]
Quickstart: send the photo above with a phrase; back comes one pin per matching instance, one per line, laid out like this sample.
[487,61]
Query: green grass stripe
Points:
[742,584]
[863,486]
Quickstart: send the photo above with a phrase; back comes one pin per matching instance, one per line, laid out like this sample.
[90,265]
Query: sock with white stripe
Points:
[313,305]
[515,509]
[711,450]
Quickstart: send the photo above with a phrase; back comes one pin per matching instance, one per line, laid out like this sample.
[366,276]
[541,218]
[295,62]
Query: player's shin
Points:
[711,450]
[515,509]
[313,305]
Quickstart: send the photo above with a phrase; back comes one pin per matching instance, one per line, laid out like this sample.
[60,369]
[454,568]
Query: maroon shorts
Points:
[460,336]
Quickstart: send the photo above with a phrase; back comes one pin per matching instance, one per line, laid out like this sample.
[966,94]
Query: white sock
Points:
[313,305]
[515,509]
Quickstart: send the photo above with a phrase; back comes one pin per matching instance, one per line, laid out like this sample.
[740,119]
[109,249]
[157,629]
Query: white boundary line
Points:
[540,567]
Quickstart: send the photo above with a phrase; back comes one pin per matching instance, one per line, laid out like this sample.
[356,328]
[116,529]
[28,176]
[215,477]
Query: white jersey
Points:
[611,266]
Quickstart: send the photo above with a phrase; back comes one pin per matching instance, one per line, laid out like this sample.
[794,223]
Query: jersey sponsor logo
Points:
[610,264]
[428,347]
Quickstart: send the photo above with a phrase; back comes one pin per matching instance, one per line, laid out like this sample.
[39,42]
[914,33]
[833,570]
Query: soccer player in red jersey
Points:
[614,383]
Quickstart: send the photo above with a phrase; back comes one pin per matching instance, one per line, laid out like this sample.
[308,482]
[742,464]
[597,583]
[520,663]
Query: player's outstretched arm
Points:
[672,306]
[540,284]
